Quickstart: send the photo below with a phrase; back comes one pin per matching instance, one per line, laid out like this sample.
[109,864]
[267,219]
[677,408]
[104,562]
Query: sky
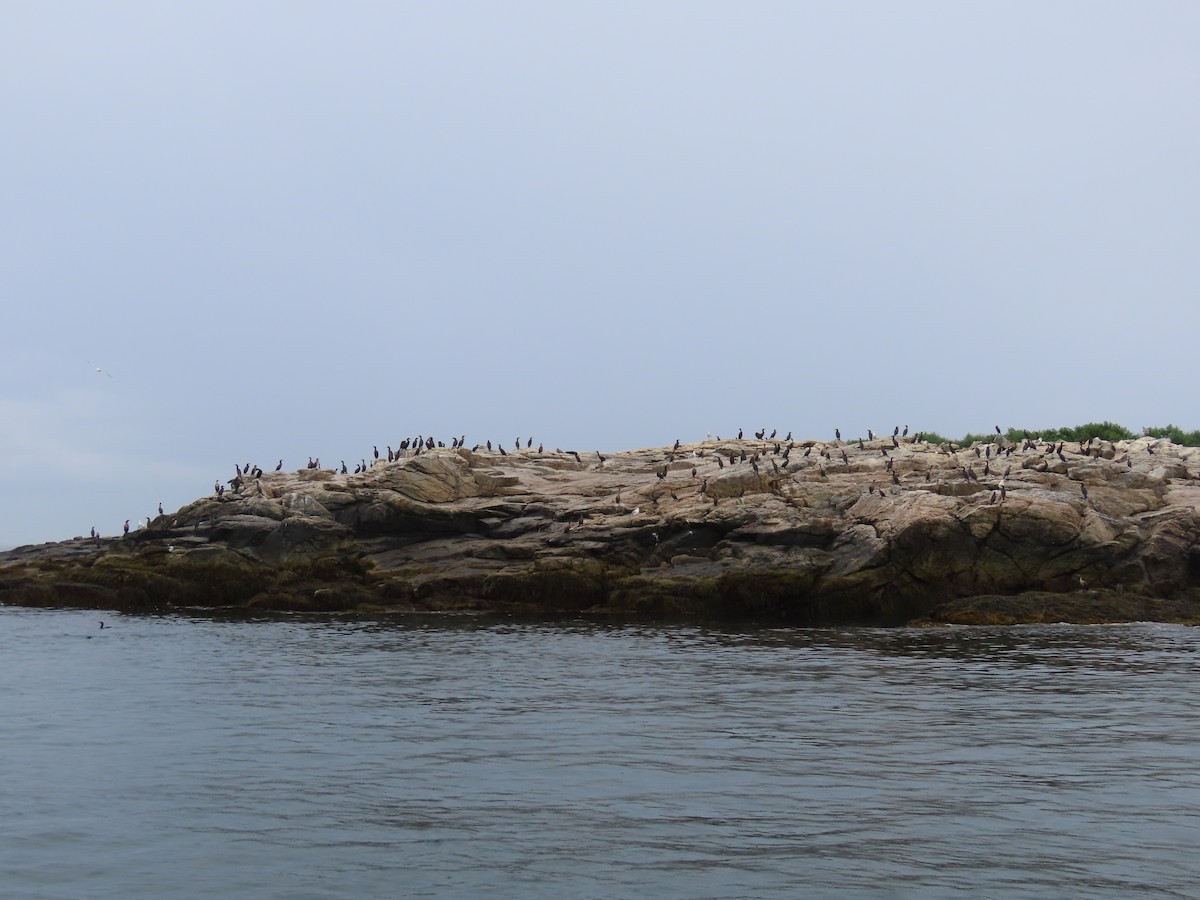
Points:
[293,229]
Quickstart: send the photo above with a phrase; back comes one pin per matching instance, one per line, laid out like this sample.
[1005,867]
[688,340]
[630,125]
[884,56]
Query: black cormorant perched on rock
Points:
[501,449]
[160,512]
[489,446]
[127,526]
[529,443]
[279,466]
[837,434]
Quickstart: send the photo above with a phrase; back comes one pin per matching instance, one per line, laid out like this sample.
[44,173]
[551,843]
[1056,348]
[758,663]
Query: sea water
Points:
[463,757]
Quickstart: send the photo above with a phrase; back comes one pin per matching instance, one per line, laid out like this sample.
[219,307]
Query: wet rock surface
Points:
[884,531]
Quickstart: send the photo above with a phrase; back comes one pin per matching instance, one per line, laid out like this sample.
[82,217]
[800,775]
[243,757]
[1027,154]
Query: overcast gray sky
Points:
[292,229]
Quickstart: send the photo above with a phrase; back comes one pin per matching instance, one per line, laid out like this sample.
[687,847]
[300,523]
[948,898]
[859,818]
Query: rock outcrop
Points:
[882,531]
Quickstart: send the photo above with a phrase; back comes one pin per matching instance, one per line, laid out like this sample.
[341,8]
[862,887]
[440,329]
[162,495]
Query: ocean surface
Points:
[459,757]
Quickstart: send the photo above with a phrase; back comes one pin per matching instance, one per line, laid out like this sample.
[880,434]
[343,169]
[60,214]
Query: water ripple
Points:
[462,757]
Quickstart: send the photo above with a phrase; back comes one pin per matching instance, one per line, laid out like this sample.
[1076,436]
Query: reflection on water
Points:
[462,757]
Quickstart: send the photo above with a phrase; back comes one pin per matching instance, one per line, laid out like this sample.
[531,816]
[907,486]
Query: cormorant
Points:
[837,434]
[501,449]
[280,466]
[376,449]
[739,434]
[127,526]
[160,512]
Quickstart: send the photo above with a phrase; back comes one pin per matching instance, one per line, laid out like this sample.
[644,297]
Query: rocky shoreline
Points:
[885,531]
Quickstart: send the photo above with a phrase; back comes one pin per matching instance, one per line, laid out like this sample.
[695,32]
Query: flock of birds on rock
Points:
[777,455]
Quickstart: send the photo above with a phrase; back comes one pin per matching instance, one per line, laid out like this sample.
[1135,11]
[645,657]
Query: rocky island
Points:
[881,530]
